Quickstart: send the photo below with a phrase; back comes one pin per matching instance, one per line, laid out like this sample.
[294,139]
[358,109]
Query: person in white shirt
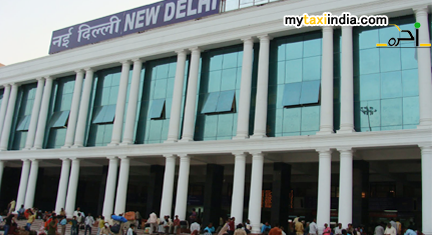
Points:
[130,230]
[379,230]
[78,210]
[390,230]
[89,221]
[313,228]
[195,226]
[338,229]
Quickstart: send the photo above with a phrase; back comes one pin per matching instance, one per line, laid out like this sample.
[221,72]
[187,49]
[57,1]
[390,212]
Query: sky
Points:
[26,25]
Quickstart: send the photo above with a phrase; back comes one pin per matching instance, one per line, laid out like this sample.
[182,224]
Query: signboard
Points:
[131,21]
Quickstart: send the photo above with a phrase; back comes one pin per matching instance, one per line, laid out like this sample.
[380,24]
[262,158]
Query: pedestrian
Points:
[239,230]
[89,221]
[195,226]
[52,226]
[138,219]
[410,231]
[30,220]
[176,224]
[74,226]
[313,228]
[298,226]
[21,212]
[379,229]
[224,228]
[62,212]
[11,207]
[209,229]
[306,230]
[232,227]
[63,223]
[398,227]
[390,230]
[106,230]
[8,223]
[338,229]
[193,216]
[327,229]
[265,229]
[130,231]
[101,224]
[153,222]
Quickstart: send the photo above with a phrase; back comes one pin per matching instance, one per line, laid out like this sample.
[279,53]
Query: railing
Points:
[230,5]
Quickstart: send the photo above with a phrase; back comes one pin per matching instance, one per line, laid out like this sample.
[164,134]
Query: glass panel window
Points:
[310,92]
[211,103]
[158,109]
[59,119]
[292,93]
[225,101]
[104,114]
[24,123]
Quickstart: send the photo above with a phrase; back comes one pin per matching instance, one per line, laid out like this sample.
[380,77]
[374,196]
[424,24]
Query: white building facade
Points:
[174,105]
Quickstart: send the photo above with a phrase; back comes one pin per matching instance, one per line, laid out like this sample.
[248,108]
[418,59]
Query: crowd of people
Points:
[128,223]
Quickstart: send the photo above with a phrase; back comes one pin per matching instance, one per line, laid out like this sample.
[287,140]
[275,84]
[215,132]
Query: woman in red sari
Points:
[327,229]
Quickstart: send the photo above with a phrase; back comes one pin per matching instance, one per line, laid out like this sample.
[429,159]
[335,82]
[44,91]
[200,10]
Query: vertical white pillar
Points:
[345,186]
[7,125]
[1,172]
[324,189]
[256,191]
[84,109]
[121,102]
[424,68]
[35,114]
[108,206]
[260,125]
[133,103]
[245,91]
[168,185]
[191,96]
[426,165]
[63,183]
[120,205]
[43,116]
[326,121]
[31,186]
[237,200]
[174,125]
[182,187]
[4,105]
[73,114]
[72,188]
[23,183]
[347,82]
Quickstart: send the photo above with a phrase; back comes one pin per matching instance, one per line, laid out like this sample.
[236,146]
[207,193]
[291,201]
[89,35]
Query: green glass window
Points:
[294,85]
[219,102]
[22,115]
[102,106]
[219,86]
[61,101]
[385,79]
[157,109]
[59,119]
[24,123]
[104,114]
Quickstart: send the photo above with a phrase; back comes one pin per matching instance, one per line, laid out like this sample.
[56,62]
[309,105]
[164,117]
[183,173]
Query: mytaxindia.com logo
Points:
[327,19]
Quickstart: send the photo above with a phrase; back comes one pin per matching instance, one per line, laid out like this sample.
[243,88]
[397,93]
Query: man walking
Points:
[338,229]
[89,221]
[313,228]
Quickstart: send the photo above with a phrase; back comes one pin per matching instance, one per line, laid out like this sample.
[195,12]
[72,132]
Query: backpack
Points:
[115,228]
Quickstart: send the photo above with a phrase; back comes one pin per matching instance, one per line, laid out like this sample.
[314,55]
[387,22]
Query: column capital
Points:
[240,153]
[327,29]
[64,159]
[6,85]
[25,160]
[248,39]
[14,84]
[74,159]
[324,151]
[34,160]
[181,52]
[345,28]
[421,10]
[195,49]
[40,79]
[425,147]
[184,157]
[138,60]
[125,62]
[111,158]
[123,157]
[79,71]
[169,156]
[264,37]
[49,78]
[88,70]
[345,149]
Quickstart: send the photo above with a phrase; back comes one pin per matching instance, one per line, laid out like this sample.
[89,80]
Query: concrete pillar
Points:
[120,203]
[31,186]
[426,165]
[35,114]
[84,109]
[43,115]
[324,189]
[168,185]
[237,200]
[111,182]
[7,125]
[4,104]
[174,125]
[256,191]
[73,114]
[23,184]
[346,186]
[72,188]
[63,184]
[182,187]
[260,127]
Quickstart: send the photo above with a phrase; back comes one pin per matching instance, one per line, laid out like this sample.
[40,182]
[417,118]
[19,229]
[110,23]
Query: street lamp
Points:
[368,111]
